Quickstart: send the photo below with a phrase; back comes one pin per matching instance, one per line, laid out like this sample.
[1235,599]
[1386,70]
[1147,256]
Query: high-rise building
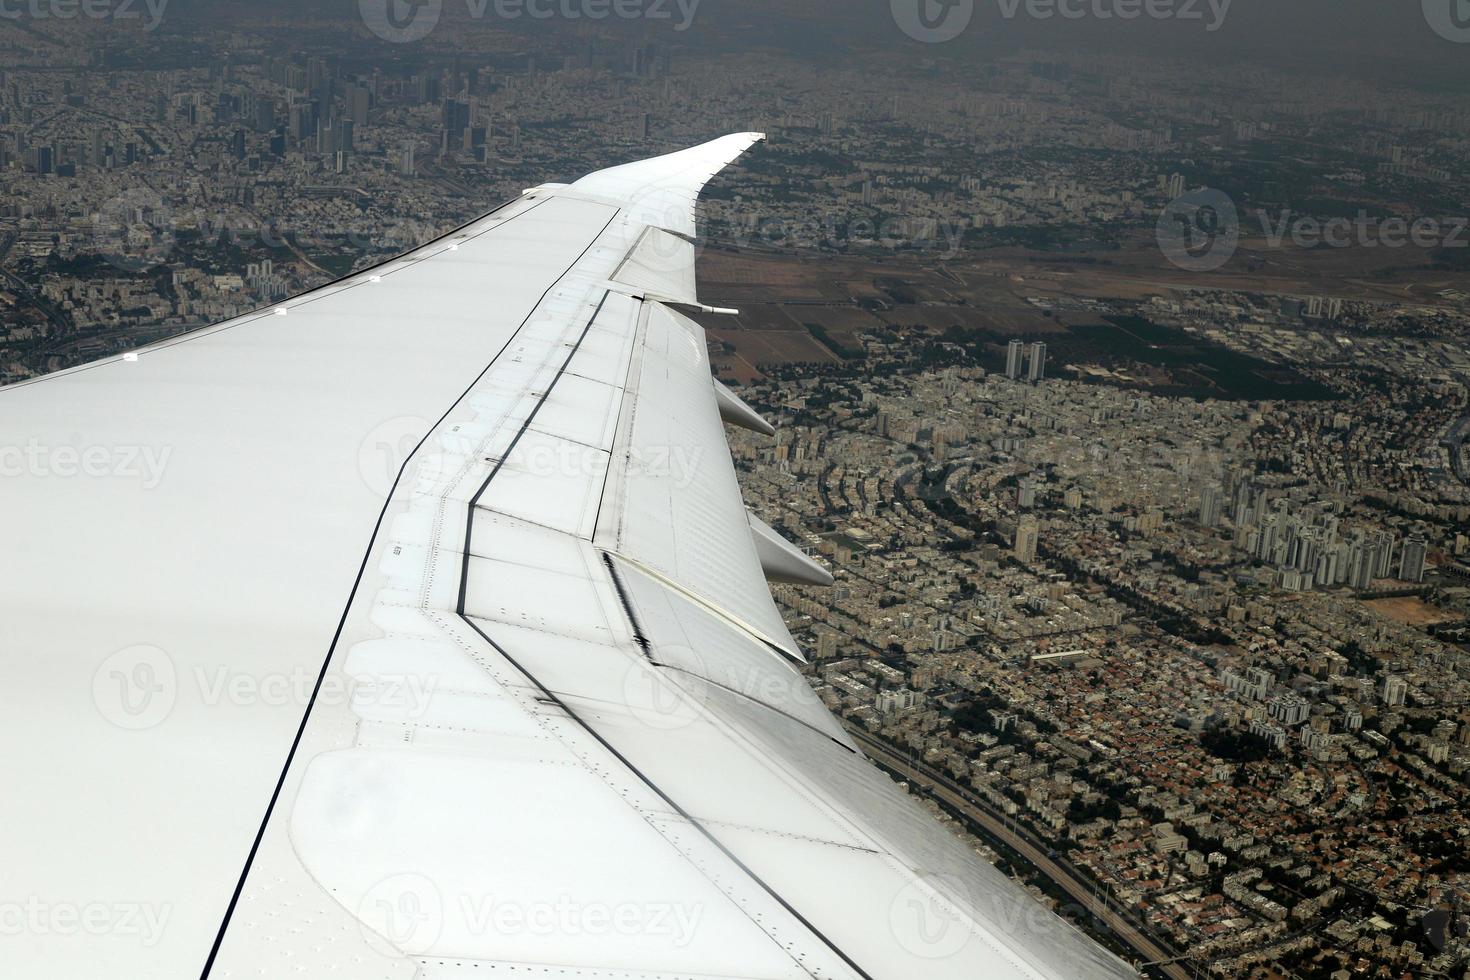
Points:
[1026,493]
[301,120]
[326,136]
[1210,504]
[1387,543]
[1323,308]
[454,115]
[1395,691]
[1411,568]
[827,645]
[888,702]
[360,103]
[1289,708]
[1240,508]
[1362,564]
[1014,355]
[1038,362]
[1028,533]
[427,87]
[1259,681]
[1274,735]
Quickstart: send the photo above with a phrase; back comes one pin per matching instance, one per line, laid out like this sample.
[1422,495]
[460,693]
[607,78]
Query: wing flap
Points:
[687,637]
[673,502]
[662,268]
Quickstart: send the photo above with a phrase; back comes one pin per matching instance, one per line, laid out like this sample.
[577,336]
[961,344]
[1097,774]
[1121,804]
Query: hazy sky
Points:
[1367,37]
[1363,38]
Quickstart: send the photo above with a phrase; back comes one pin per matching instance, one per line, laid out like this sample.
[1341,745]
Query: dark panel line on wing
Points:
[627,604]
[761,704]
[551,698]
[704,831]
[469,527]
[352,598]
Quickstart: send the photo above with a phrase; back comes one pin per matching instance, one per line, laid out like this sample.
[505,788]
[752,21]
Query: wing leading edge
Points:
[551,718]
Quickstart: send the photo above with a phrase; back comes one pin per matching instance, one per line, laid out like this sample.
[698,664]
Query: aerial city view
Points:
[1118,353]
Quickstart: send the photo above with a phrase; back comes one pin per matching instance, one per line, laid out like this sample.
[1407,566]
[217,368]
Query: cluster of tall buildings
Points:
[1254,684]
[1032,363]
[98,152]
[263,280]
[1308,545]
[1286,709]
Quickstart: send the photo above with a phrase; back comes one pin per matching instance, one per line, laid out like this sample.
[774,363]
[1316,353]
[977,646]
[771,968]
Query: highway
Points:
[23,288]
[955,796]
[1454,441]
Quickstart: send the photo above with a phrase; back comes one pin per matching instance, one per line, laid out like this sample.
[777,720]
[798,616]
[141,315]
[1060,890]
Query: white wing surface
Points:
[417,628]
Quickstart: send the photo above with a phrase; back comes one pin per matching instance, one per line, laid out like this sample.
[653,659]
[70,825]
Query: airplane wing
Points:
[415,627]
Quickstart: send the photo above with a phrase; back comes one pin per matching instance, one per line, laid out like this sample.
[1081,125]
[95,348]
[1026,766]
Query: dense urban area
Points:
[1152,552]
